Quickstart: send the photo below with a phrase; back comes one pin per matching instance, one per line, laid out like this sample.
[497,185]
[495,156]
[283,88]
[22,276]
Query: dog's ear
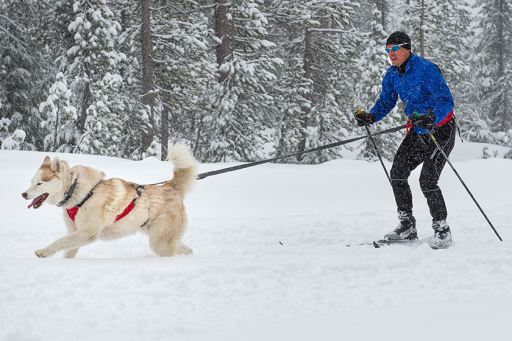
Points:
[47,160]
[55,166]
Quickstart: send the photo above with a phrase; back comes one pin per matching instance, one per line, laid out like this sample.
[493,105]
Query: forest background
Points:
[237,80]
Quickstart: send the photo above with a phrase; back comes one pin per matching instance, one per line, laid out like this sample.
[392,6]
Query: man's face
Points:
[399,56]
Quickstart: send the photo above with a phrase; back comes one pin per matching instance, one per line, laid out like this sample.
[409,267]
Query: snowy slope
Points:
[270,261]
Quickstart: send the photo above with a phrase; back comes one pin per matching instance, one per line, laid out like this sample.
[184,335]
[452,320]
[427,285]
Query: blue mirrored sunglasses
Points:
[394,48]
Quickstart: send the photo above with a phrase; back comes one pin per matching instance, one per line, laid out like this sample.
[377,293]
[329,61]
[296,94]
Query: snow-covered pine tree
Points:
[92,70]
[22,65]
[419,22]
[371,66]
[364,15]
[314,88]
[449,44]
[247,70]
[494,69]
[137,123]
[428,22]
[472,124]
[292,95]
[334,46]
[15,141]
[438,31]
[184,70]
[58,123]
[292,91]
[60,117]
[384,11]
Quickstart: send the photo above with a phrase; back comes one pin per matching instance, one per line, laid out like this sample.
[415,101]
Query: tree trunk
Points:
[86,99]
[383,9]
[147,72]
[501,40]
[308,61]
[224,32]
[165,133]
[501,101]
[422,33]
[56,133]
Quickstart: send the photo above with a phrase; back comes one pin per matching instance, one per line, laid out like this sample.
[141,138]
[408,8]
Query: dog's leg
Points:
[70,225]
[162,235]
[163,247]
[183,249]
[168,248]
[71,253]
[165,236]
[72,241]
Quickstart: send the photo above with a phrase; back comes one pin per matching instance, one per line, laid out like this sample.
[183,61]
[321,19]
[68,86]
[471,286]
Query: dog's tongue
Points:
[38,201]
[32,203]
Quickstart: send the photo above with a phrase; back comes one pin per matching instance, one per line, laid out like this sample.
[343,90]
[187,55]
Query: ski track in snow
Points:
[270,260]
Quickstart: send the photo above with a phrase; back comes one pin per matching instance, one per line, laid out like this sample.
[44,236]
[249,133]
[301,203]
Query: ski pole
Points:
[378,153]
[466,187]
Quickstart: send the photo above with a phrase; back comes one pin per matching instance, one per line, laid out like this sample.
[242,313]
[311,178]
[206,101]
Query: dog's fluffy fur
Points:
[159,211]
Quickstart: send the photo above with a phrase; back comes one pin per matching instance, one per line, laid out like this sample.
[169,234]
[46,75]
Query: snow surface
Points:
[270,259]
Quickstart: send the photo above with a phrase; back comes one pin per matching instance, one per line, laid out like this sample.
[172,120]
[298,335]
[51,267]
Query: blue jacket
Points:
[421,88]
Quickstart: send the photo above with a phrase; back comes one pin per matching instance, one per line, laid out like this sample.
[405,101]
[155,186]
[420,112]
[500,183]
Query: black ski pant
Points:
[414,150]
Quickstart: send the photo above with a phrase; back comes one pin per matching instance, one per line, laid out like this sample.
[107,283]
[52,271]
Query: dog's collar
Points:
[69,193]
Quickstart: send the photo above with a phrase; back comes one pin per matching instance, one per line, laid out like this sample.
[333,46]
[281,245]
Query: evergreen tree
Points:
[92,69]
[314,87]
[286,72]
[383,12]
[138,120]
[471,119]
[419,21]
[438,32]
[60,116]
[333,97]
[185,70]
[495,67]
[22,65]
[293,90]
[371,66]
[247,72]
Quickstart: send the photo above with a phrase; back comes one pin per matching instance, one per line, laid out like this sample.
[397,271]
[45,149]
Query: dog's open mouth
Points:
[37,202]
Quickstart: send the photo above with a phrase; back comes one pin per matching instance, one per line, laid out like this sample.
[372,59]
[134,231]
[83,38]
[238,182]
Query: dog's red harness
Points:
[72,211]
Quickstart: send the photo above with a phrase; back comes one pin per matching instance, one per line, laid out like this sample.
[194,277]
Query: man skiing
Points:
[429,108]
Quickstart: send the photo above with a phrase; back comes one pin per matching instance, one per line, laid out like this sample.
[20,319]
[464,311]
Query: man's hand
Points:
[423,121]
[363,118]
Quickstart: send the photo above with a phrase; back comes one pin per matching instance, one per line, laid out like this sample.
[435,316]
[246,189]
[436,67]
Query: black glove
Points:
[363,118]
[423,121]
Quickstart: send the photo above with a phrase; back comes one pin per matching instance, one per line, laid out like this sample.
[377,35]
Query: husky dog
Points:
[98,208]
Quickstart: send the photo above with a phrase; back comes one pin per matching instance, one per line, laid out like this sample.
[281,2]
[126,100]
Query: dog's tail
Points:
[185,168]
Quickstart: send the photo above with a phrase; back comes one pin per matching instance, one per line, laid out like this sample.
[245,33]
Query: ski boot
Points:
[406,229]
[442,238]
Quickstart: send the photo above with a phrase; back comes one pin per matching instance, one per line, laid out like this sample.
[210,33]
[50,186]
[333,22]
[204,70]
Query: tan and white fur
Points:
[159,211]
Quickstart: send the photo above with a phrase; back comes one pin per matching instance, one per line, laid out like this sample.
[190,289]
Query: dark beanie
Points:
[399,37]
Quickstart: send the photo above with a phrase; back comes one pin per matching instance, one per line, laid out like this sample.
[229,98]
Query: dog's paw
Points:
[43,253]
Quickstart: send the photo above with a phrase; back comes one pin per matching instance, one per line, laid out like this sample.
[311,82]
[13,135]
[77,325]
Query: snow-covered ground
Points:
[270,259]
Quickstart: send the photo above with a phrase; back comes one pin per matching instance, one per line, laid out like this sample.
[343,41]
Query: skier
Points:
[429,108]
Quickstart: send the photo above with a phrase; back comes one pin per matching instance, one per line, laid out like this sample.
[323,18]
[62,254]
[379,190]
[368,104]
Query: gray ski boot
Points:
[442,238]
[406,229]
